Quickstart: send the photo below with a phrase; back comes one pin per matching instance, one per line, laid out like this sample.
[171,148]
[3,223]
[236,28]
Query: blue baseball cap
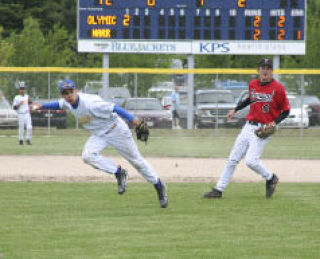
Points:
[66,84]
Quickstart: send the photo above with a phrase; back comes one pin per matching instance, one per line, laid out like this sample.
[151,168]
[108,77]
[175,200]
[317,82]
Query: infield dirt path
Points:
[71,168]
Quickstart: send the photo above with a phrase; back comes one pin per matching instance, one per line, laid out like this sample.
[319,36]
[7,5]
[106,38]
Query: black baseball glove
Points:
[142,132]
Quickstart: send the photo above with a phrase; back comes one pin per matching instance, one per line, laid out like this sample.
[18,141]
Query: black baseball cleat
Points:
[214,194]
[162,194]
[28,142]
[271,186]
[122,177]
[20,142]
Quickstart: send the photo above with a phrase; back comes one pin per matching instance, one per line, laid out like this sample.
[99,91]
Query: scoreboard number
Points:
[199,3]
[257,21]
[151,3]
[281,34]
[242,3]
[126,20]
[106,2]
[281,22]
[298,35]
[256,35]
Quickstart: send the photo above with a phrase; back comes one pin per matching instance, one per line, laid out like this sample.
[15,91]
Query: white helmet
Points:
[22,85]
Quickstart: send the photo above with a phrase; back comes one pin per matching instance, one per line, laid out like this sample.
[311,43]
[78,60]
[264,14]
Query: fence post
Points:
[49,96]
[190,93]
[135,85]
[105,76]
[276,65]
[301,103]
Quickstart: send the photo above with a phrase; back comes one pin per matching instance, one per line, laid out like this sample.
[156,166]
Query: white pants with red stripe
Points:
[249,145]
[122,140]
[25,122]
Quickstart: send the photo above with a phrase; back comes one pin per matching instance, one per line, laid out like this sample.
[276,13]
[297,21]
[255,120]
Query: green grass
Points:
[90,220]
[286,143]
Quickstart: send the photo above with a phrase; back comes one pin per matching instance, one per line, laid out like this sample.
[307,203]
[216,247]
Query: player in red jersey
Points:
[269,105]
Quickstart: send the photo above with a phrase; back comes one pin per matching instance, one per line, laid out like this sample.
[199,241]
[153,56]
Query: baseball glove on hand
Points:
[265,131]
[142,132]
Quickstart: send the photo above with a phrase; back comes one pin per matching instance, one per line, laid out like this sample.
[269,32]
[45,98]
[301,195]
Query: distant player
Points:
[269,105]
[21,105]
[107,129]
[175,100]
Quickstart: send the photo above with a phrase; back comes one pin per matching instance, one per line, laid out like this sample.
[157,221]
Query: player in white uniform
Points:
[21,105]
[108,129]
[175,99]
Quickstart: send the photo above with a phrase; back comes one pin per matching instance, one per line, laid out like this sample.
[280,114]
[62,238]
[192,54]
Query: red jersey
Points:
[266,101]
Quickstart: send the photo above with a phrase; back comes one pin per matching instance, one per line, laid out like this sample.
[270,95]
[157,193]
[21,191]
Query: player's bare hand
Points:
[136,122]
[271,125]
[35,106]
[231,114]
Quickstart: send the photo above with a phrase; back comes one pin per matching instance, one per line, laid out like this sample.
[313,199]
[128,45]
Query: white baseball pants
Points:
[25,122]
[122,140]
[249,145]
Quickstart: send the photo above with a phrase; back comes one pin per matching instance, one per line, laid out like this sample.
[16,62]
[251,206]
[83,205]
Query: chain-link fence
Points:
[205,103]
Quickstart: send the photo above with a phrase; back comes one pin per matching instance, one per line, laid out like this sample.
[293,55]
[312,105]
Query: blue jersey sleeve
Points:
[51,106]
[123,113]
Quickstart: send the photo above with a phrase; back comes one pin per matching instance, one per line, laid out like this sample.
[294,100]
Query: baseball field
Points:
[52,205]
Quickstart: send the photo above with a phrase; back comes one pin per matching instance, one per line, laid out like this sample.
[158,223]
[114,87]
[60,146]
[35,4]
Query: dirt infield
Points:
[71,168]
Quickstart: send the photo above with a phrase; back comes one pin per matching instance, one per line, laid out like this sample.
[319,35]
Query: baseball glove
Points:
[142,132]
[265,131]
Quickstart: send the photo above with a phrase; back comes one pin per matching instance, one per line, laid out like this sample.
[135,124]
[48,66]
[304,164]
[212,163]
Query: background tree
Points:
[43,33]
[28,44]
[50,12]
[311,59]
[6,51]
[11,16]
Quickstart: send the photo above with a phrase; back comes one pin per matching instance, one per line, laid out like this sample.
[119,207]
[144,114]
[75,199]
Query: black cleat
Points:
[28,142]
[20,142]
[162,195]
[214,194]
[122,180]
[271,186]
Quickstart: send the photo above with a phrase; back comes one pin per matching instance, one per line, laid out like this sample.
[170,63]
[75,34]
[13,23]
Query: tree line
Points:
[43,33]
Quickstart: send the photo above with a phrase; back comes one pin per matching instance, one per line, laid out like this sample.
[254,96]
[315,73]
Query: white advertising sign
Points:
[194,47]
[249,47]
[151,47]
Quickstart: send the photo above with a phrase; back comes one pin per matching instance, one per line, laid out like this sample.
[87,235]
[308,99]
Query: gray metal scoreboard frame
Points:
[257,27]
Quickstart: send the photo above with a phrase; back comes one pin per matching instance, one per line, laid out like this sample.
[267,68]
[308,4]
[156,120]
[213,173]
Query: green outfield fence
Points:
[42,82]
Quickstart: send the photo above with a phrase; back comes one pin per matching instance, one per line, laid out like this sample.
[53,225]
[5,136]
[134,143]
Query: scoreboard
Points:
[192,26]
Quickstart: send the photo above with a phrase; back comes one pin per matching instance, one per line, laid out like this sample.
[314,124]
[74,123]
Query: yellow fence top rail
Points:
[154,70]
